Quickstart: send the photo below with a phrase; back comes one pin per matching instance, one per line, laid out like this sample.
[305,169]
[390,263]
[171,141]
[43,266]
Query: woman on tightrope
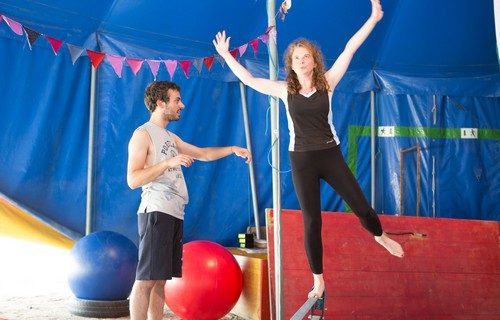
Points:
[314,148]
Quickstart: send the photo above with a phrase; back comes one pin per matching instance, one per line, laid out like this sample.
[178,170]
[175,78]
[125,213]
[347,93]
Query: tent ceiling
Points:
[417,38]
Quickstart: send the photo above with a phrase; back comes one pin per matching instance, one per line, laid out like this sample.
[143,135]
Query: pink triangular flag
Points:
[54,43]
[208,61]
[242,49]
[95,57]
[185,66]
[255,45]
[264,38]
[15,26]
[117,63]
[74,51]
[171,65]
[135,64]
[154,65]
[198,64]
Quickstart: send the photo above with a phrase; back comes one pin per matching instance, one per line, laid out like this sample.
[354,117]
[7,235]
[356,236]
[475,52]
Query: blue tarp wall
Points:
[433,67]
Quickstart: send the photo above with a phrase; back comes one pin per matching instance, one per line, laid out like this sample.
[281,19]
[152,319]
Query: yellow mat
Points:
[16,223]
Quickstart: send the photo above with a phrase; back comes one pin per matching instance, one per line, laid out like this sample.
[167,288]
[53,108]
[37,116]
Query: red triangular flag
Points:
[135,64]
[95,57]
[255,45]
[208,61]
[234,52]
[185,66]
[54,43]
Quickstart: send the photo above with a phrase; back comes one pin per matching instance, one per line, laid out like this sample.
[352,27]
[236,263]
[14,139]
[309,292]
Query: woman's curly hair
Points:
[319,80]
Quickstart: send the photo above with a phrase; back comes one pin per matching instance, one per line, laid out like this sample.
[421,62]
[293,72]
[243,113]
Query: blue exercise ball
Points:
[103,266]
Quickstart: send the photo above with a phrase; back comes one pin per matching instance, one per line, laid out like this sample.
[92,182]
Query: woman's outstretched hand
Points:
[377,12]
[221,43]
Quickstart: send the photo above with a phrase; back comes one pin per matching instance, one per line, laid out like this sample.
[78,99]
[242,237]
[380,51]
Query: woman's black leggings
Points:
[308,168]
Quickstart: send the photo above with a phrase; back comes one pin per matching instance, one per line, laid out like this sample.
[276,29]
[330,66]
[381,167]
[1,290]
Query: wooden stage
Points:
[453,272]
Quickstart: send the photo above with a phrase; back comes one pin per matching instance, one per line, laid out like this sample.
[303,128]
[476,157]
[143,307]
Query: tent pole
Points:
[244,108]
[90,162]
[373,137]
[275,145]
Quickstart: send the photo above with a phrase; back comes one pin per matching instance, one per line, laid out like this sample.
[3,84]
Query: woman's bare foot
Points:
[319,286]
[392,246]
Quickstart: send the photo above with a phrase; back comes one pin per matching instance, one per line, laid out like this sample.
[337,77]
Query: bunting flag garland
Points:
[74,51]
[116,62]
[234,52]
[255,45]
[208,61]
[95,57]
[243,48]
[264,38]
[272,35]
[185,66]
[154,65]
[14,26]
[285,6]
[135,64]
[55,44]
[220,59]
[171,65]
[31,36]
[198,64]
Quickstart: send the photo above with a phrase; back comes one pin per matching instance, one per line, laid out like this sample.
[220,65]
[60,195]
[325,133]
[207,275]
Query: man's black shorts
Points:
[160,246]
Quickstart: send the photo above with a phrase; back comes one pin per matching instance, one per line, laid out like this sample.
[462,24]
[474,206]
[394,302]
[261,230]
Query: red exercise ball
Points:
[211,282]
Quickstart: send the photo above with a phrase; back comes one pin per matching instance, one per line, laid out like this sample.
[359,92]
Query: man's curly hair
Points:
[158,90]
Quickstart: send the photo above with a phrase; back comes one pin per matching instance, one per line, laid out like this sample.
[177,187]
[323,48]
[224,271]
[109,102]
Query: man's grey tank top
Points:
[168,192]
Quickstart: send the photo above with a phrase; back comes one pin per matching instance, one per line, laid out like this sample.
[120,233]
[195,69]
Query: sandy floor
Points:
[51,307]
[34,285]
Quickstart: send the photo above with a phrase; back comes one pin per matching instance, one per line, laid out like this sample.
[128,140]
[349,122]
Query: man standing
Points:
[155,159]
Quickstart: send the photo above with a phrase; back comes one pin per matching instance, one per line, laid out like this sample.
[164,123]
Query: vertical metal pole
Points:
[373,136]
[433,186]
[401,171]
[90,162]
[275,143]
[244,109]
[418,180]
[434,113]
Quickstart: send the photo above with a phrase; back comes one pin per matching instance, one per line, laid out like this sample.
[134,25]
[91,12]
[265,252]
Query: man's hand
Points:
[242,152]
[179,160]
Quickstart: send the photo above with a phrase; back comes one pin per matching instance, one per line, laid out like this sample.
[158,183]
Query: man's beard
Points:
[171,116]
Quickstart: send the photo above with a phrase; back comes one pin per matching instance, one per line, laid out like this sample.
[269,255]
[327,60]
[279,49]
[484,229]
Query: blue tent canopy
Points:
[433,66]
